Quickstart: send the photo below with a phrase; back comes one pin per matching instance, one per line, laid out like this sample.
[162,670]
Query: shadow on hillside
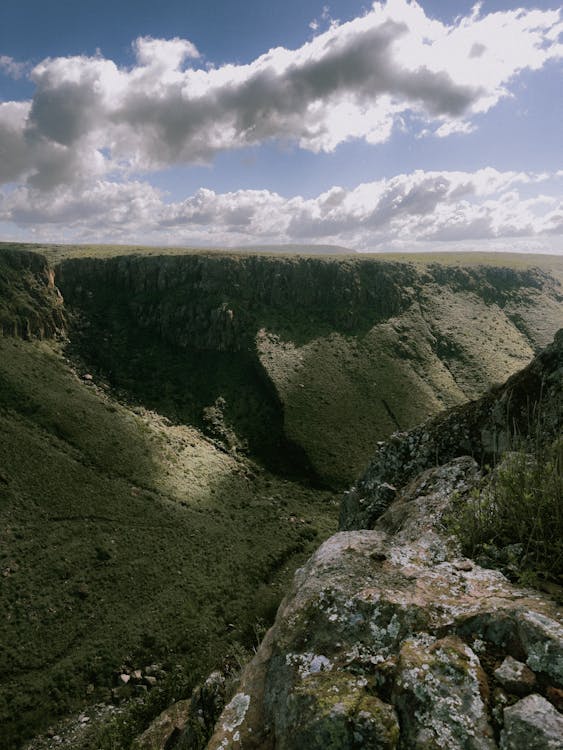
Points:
[104,564]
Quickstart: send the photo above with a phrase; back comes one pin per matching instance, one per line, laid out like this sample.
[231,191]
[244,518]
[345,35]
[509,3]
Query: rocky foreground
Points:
[389,637]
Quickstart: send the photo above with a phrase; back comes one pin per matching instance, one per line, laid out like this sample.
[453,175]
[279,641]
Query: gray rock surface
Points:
[388,638]
[515,677]
[532,724]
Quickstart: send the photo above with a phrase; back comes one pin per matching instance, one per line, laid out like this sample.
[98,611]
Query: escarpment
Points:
[30,303]
[279,341]
[170,460]
[389,637]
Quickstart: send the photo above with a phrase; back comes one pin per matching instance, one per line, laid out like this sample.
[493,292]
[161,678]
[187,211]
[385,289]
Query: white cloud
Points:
[354,80]
[409,211]
[12,68]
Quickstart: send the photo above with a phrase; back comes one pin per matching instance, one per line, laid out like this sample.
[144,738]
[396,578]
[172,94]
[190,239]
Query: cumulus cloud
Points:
[353,80]
[409,212]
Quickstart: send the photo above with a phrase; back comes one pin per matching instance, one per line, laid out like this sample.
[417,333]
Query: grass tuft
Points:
[516,519]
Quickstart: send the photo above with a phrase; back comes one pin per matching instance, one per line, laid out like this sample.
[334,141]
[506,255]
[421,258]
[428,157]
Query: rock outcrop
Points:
[389,637]
[30,303]
[530,400]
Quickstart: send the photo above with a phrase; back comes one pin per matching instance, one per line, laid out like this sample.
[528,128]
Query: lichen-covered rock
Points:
[440,692]
[331,710]
[515,677]
[532,724]
[187,724]
[391,630]
[542,640]
[207,702]
[164,728]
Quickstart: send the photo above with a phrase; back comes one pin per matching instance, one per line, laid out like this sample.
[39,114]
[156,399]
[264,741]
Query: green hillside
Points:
[175,435]
[124,536]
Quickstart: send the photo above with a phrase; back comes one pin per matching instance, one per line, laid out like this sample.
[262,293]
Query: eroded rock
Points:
[532,723]
[515,677]
[390,636]
[440,692]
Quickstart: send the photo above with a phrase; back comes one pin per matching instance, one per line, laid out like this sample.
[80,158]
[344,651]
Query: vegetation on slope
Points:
[515,521]
[30,304]
[124,536]
[332,354]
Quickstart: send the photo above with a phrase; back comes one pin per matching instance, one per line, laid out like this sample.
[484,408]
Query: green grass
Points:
[123,535]
[516,519]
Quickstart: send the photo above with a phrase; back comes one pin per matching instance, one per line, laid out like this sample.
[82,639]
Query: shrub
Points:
[516,518]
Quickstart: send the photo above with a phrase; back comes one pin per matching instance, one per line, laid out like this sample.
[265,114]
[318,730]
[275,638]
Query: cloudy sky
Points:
[387,126]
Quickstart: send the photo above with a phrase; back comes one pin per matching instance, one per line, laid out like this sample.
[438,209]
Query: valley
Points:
[177,431]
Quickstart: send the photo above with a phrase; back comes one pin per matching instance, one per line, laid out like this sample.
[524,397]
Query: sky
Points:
[385,127]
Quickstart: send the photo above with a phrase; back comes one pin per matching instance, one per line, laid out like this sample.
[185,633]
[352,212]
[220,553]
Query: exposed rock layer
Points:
[30,304]
[282,339]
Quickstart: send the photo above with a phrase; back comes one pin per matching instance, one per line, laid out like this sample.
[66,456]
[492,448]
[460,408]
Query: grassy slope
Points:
[450,345]
[124,535]
[344,393]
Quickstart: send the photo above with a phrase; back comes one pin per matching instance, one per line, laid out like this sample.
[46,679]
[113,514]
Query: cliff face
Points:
[389,637]
[332,354]
[484,429]
[219,302]
[30,304]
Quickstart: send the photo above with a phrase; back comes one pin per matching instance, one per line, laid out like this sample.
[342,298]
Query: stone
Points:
[555,696]
[124,678]
[440,692]
[207,702]
[329,711]
[463,565]
[532,724]
[515,677]
[542,639]
[159,733]
[154,670]
[150,681]
[379,625]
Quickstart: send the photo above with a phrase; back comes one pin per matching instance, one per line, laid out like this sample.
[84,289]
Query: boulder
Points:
[515,677]
[389,638]
[532,724]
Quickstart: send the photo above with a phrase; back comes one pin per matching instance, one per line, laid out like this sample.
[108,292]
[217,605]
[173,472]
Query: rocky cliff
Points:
[389,637]
[30,304]
[531,400]
[294,334]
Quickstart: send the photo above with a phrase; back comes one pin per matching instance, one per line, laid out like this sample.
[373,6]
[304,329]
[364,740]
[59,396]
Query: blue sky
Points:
[391,126]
